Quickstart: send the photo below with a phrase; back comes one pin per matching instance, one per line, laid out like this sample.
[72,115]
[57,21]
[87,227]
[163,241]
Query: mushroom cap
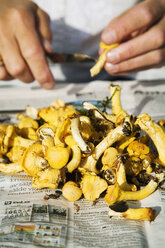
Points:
[71,191]
[57,156]
[92,186]
[29,159]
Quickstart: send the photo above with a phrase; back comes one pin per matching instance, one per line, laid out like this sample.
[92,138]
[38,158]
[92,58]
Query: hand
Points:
[24,36]
[141,32]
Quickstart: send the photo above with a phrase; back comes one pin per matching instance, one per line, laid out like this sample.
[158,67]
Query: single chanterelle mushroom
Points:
[89,163]
[102,58]
[135,214]
[57,156]
[49,178]
[115,91]
[71,191]
[10,168]
[115,193]
[92,186]
[33,160]
[155,132]
[28,122]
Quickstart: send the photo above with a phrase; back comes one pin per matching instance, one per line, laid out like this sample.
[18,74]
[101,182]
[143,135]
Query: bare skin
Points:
[25,35]
[141,32]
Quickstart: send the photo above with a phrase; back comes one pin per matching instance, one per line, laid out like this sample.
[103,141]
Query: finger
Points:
[34,55]
[4,75]
[139,17]
[14,63]
[153,39]
[101,50]
[153,59]
[43,25]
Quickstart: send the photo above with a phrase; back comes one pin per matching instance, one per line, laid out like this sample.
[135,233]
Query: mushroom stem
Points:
[77,136]
[121,178]
[76,158]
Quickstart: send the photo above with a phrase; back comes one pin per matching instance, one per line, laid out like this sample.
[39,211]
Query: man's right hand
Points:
[25,35]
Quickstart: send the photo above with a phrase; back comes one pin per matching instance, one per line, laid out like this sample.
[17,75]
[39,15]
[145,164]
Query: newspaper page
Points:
[43,218]
[26,219]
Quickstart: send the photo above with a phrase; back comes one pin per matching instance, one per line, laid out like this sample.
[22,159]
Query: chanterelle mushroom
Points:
[92,186]
[155,132]
[115,193]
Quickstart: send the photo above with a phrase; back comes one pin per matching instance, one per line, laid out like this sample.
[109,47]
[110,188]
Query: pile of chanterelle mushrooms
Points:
[88,153]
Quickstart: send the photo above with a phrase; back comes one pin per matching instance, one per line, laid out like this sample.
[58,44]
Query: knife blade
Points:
[69,58]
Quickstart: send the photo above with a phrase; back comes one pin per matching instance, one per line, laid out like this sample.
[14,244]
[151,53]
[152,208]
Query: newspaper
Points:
[43,218]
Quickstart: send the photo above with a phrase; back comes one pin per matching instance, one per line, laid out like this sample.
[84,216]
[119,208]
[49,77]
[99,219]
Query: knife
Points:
[54,57]
[69,58]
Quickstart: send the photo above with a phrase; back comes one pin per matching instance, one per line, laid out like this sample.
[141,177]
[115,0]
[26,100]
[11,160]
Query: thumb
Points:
[44,29]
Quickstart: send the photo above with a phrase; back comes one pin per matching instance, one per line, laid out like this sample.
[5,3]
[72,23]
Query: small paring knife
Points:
[54,58]
[69,58]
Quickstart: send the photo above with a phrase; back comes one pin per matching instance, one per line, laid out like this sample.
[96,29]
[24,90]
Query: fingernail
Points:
[48,86]
[48,46]
[113,57]
[110,67]
[109,37]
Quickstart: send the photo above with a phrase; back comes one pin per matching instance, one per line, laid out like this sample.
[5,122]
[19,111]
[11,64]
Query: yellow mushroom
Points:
[3,129]
[49,178]
[33,160]
[86,128]
[115,193]
[115,91]
[102,58]
[8,139]
[92,186]
[46,135]
[19,141]
[27,122]
[121,177]
[71,191]
[29,133]
[75,160]
[63,129]
[137,149]
[57,156]
[110,157]
[16,153]
[10,168]
[69,140]
[148,214]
